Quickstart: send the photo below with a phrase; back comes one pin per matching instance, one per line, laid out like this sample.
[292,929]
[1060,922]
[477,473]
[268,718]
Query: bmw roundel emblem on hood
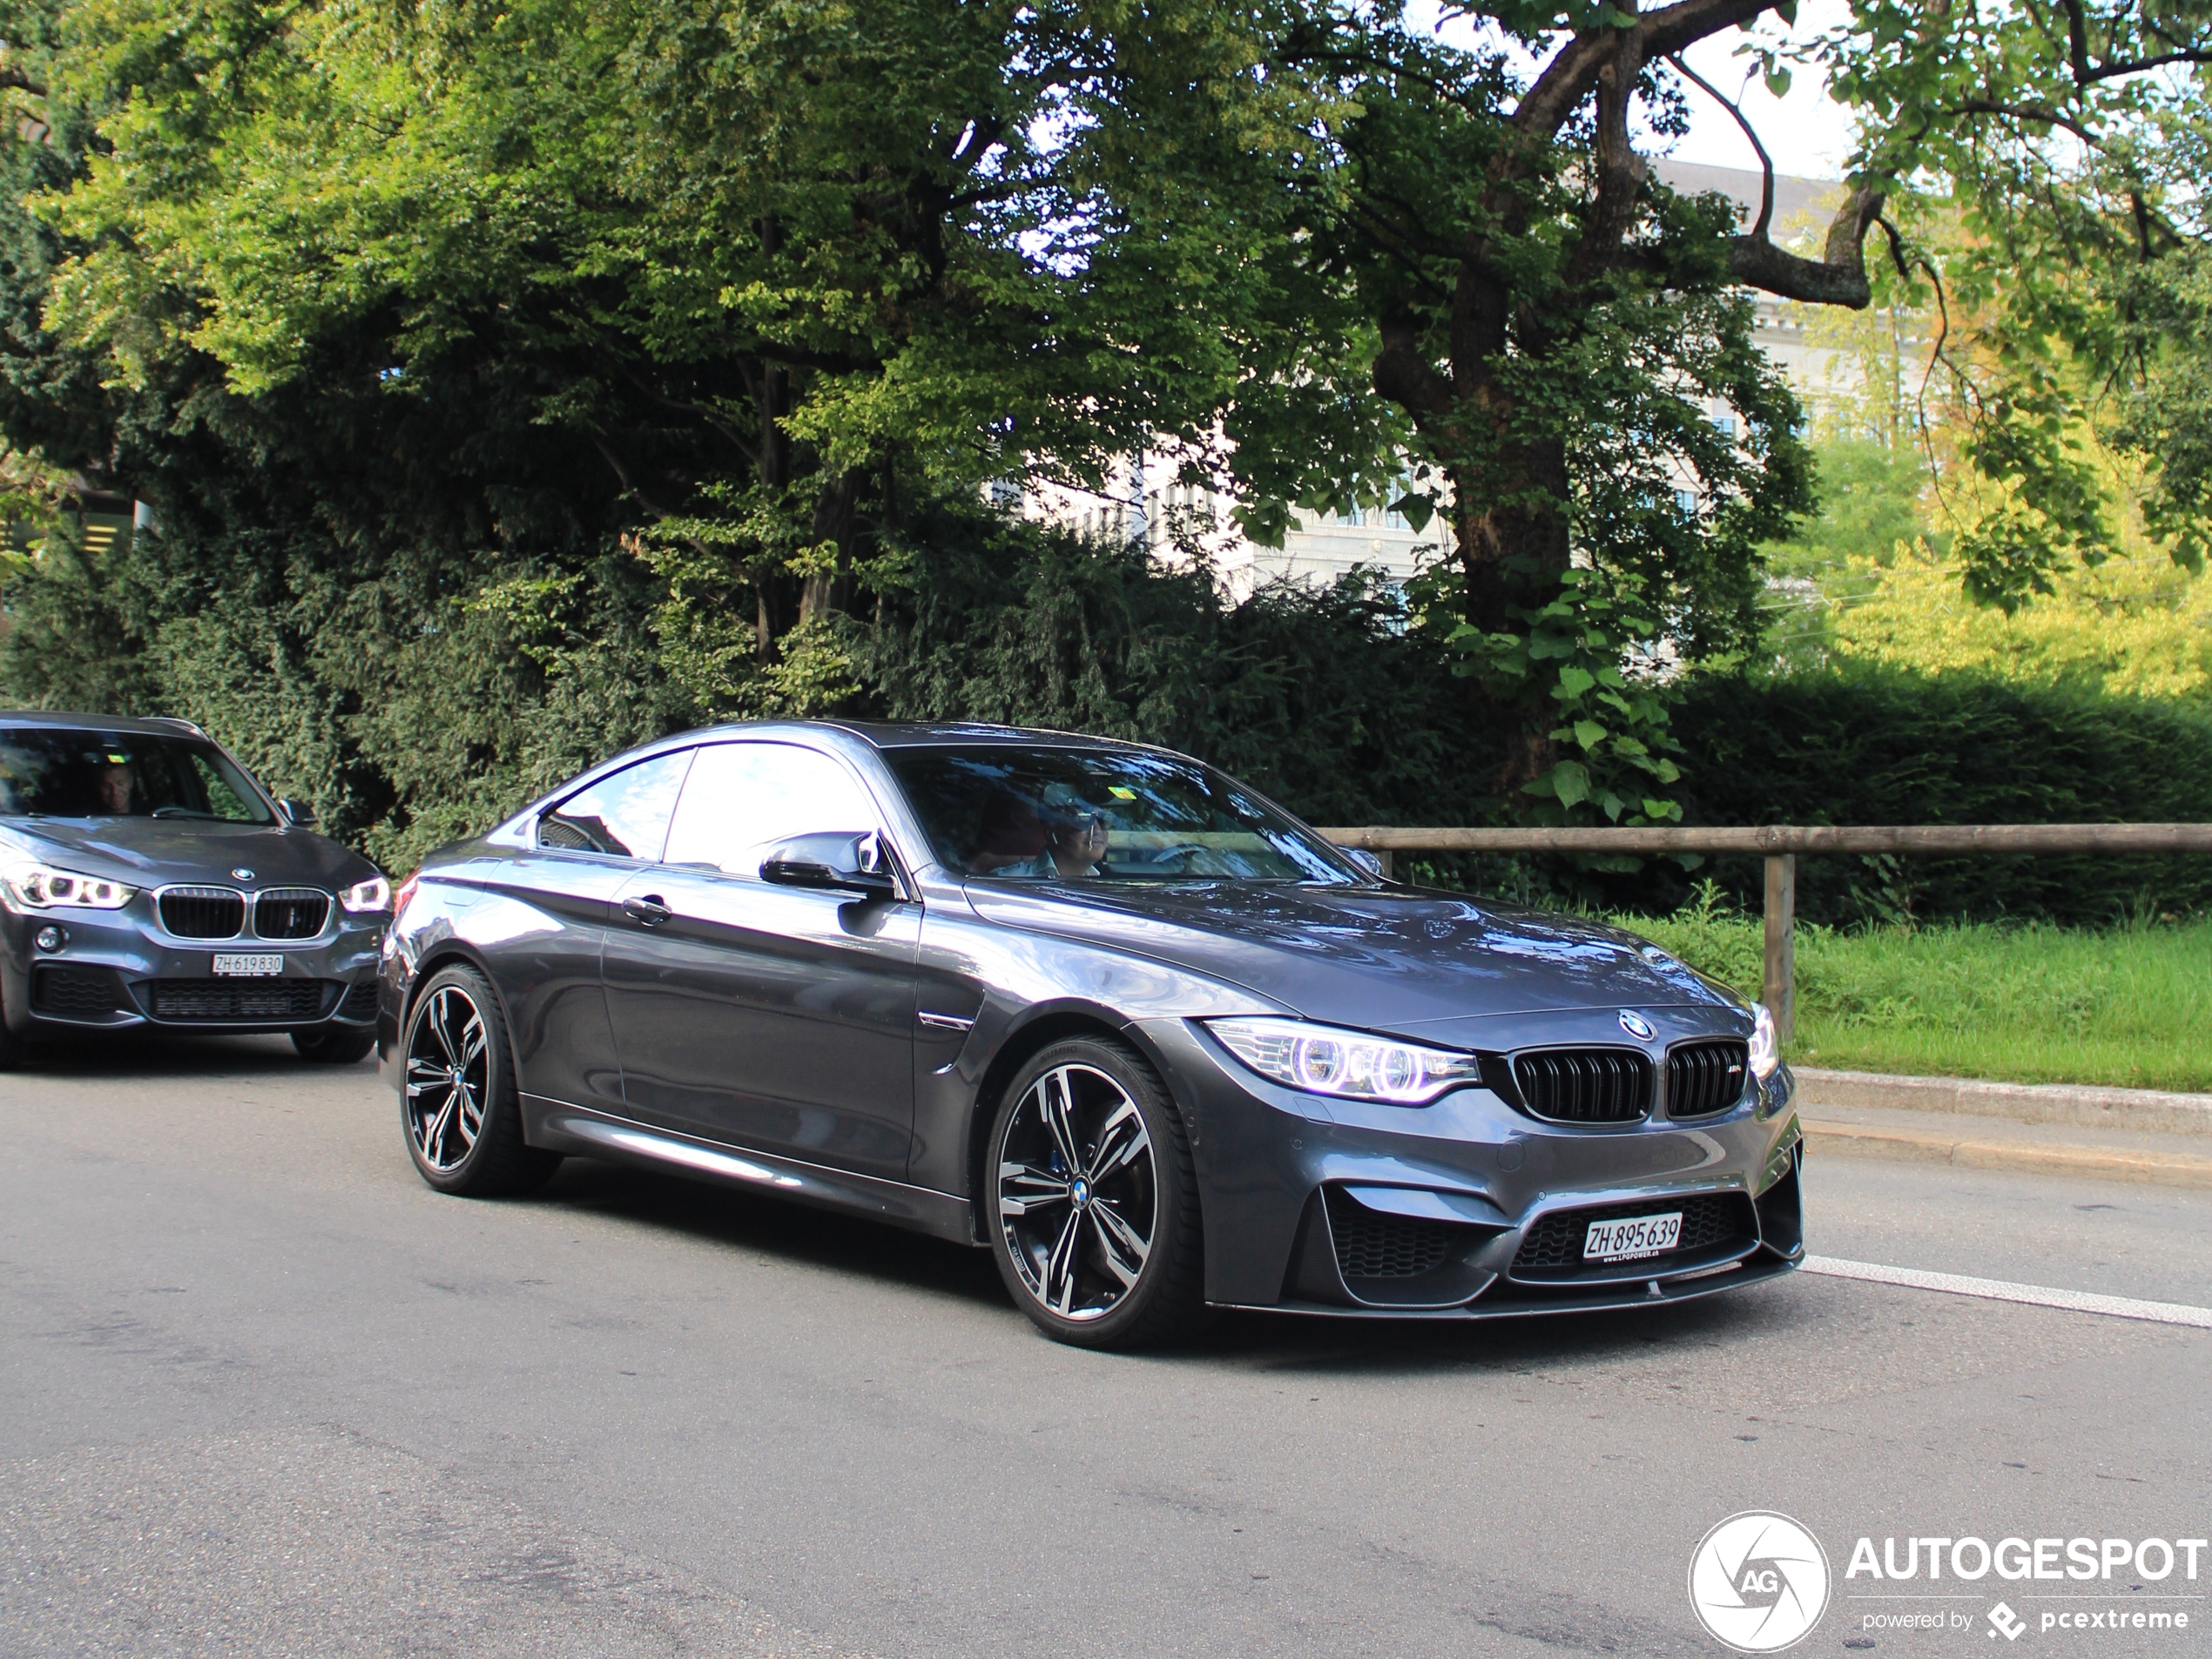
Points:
[248,875]
[1636,1025]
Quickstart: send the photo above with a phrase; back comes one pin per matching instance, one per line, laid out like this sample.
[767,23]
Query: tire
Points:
[458,1105]
[1065,1244]
[329,1046]
[13,1049]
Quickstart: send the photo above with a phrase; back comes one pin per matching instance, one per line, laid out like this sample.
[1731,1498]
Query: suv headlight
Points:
[375,893]
[35,887]
[1766,1048]
[1351,1065]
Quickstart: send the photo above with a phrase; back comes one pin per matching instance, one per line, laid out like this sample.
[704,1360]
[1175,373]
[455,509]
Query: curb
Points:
[2153,1169]
[2143,1110]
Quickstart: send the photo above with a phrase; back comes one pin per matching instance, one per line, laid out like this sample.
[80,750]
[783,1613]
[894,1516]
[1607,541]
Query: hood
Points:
[154,851]
[1380,959]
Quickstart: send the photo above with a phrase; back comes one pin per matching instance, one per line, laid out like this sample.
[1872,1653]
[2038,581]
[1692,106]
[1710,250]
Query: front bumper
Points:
[1468,1207]
[117,971]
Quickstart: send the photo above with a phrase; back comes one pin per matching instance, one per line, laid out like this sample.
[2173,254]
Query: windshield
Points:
[61,772]
[1048,814]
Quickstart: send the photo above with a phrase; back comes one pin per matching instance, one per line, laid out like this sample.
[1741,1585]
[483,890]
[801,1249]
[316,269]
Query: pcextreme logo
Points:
[1758,1581]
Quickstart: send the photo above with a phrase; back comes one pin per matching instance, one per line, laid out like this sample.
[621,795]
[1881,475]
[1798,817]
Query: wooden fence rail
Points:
[1779,845]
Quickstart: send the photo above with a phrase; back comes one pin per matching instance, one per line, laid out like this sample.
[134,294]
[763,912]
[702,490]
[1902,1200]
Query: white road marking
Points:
[1998,1290]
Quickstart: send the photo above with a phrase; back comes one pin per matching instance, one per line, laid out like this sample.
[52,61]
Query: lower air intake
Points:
[226,1001]
[1377,1246]
[73,992]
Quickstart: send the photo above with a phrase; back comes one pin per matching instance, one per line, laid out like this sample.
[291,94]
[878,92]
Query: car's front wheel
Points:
[458,1100]
[1096,1224]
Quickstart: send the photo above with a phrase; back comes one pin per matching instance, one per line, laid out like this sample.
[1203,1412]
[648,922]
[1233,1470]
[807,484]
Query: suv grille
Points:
[204,912]
[290,912]
[1706,1077]
[361,1002]
[216,1000]
[1553,1245]
[1584,1085]
[73,992]
[1377,1247]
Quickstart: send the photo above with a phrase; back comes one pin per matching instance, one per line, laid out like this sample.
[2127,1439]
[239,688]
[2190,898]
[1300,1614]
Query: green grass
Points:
[2130,1007]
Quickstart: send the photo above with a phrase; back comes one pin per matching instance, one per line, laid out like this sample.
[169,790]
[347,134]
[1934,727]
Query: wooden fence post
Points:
[1781,942]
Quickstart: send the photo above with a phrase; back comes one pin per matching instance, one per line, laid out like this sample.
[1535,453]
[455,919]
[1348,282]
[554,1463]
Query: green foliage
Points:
[1614,747]
[1872,498]
[1888,748]
[2064,232]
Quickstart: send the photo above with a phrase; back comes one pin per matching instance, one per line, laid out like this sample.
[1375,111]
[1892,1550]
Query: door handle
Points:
[647,910]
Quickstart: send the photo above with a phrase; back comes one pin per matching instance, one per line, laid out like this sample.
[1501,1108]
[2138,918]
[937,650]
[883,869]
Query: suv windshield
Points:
[1048,814]
[62,771]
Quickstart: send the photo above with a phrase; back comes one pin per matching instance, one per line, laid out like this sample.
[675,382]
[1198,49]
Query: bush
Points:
[1898,748]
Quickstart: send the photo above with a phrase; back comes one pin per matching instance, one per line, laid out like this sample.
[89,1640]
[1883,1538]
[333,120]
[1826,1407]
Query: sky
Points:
[1804,132]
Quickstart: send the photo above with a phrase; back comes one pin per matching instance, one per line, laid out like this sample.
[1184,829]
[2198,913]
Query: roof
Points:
[149,725]
[916,734]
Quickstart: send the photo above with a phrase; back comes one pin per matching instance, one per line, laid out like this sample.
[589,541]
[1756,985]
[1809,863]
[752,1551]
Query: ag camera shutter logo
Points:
[1758,1581]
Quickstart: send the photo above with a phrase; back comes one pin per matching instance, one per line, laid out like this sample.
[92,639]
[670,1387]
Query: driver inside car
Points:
[113,786]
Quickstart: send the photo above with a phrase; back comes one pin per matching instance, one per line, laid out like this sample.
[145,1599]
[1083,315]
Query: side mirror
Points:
[840,861]
[1370,862]
[295,814]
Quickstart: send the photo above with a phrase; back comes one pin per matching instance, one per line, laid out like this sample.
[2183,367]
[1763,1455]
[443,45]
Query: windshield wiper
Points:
[180,811]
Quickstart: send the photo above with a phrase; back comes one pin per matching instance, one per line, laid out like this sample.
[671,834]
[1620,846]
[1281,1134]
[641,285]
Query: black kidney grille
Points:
[204,912]
[73,992]
[193,1000]
[1584,1085]
[1706,1077]
[1377,1247]
[1708,1219]
[291,913]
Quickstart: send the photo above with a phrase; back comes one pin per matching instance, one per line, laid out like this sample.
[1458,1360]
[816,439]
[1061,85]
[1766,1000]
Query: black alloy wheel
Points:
[458,1102]
[1097,1230]
[333,1045]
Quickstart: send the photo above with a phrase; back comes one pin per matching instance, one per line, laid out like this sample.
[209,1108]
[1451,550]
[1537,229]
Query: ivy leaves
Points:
[1614,755]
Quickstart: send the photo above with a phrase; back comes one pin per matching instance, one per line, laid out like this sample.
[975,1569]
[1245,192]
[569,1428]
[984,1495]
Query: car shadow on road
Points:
[139,1053]
[1285,1343]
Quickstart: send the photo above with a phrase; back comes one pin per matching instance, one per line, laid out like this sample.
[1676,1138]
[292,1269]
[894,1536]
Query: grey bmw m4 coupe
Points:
[146,880]
[1096,1007]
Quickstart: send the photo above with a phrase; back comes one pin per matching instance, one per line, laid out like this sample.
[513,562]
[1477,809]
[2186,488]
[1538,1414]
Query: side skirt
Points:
[563,1127]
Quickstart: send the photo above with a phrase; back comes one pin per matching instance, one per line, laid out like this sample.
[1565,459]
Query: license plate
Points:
[1627,1241]
[249,966]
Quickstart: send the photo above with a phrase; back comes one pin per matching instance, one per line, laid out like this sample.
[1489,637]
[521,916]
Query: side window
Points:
[742,799]
[625,814]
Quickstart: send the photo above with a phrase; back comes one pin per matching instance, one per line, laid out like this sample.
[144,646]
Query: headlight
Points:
[1352,1065]
[375,893]
[1766,1049]
[36,887]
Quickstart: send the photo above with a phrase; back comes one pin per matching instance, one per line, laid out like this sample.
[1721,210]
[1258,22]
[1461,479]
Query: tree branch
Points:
[1837,277]
[1573,71]
[1766,161]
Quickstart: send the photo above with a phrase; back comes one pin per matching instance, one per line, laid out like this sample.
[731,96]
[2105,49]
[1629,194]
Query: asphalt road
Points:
[261,1392]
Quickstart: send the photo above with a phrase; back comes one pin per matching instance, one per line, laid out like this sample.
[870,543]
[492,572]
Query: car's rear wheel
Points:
[1095,1222]
[458,1102]
[333,1047]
